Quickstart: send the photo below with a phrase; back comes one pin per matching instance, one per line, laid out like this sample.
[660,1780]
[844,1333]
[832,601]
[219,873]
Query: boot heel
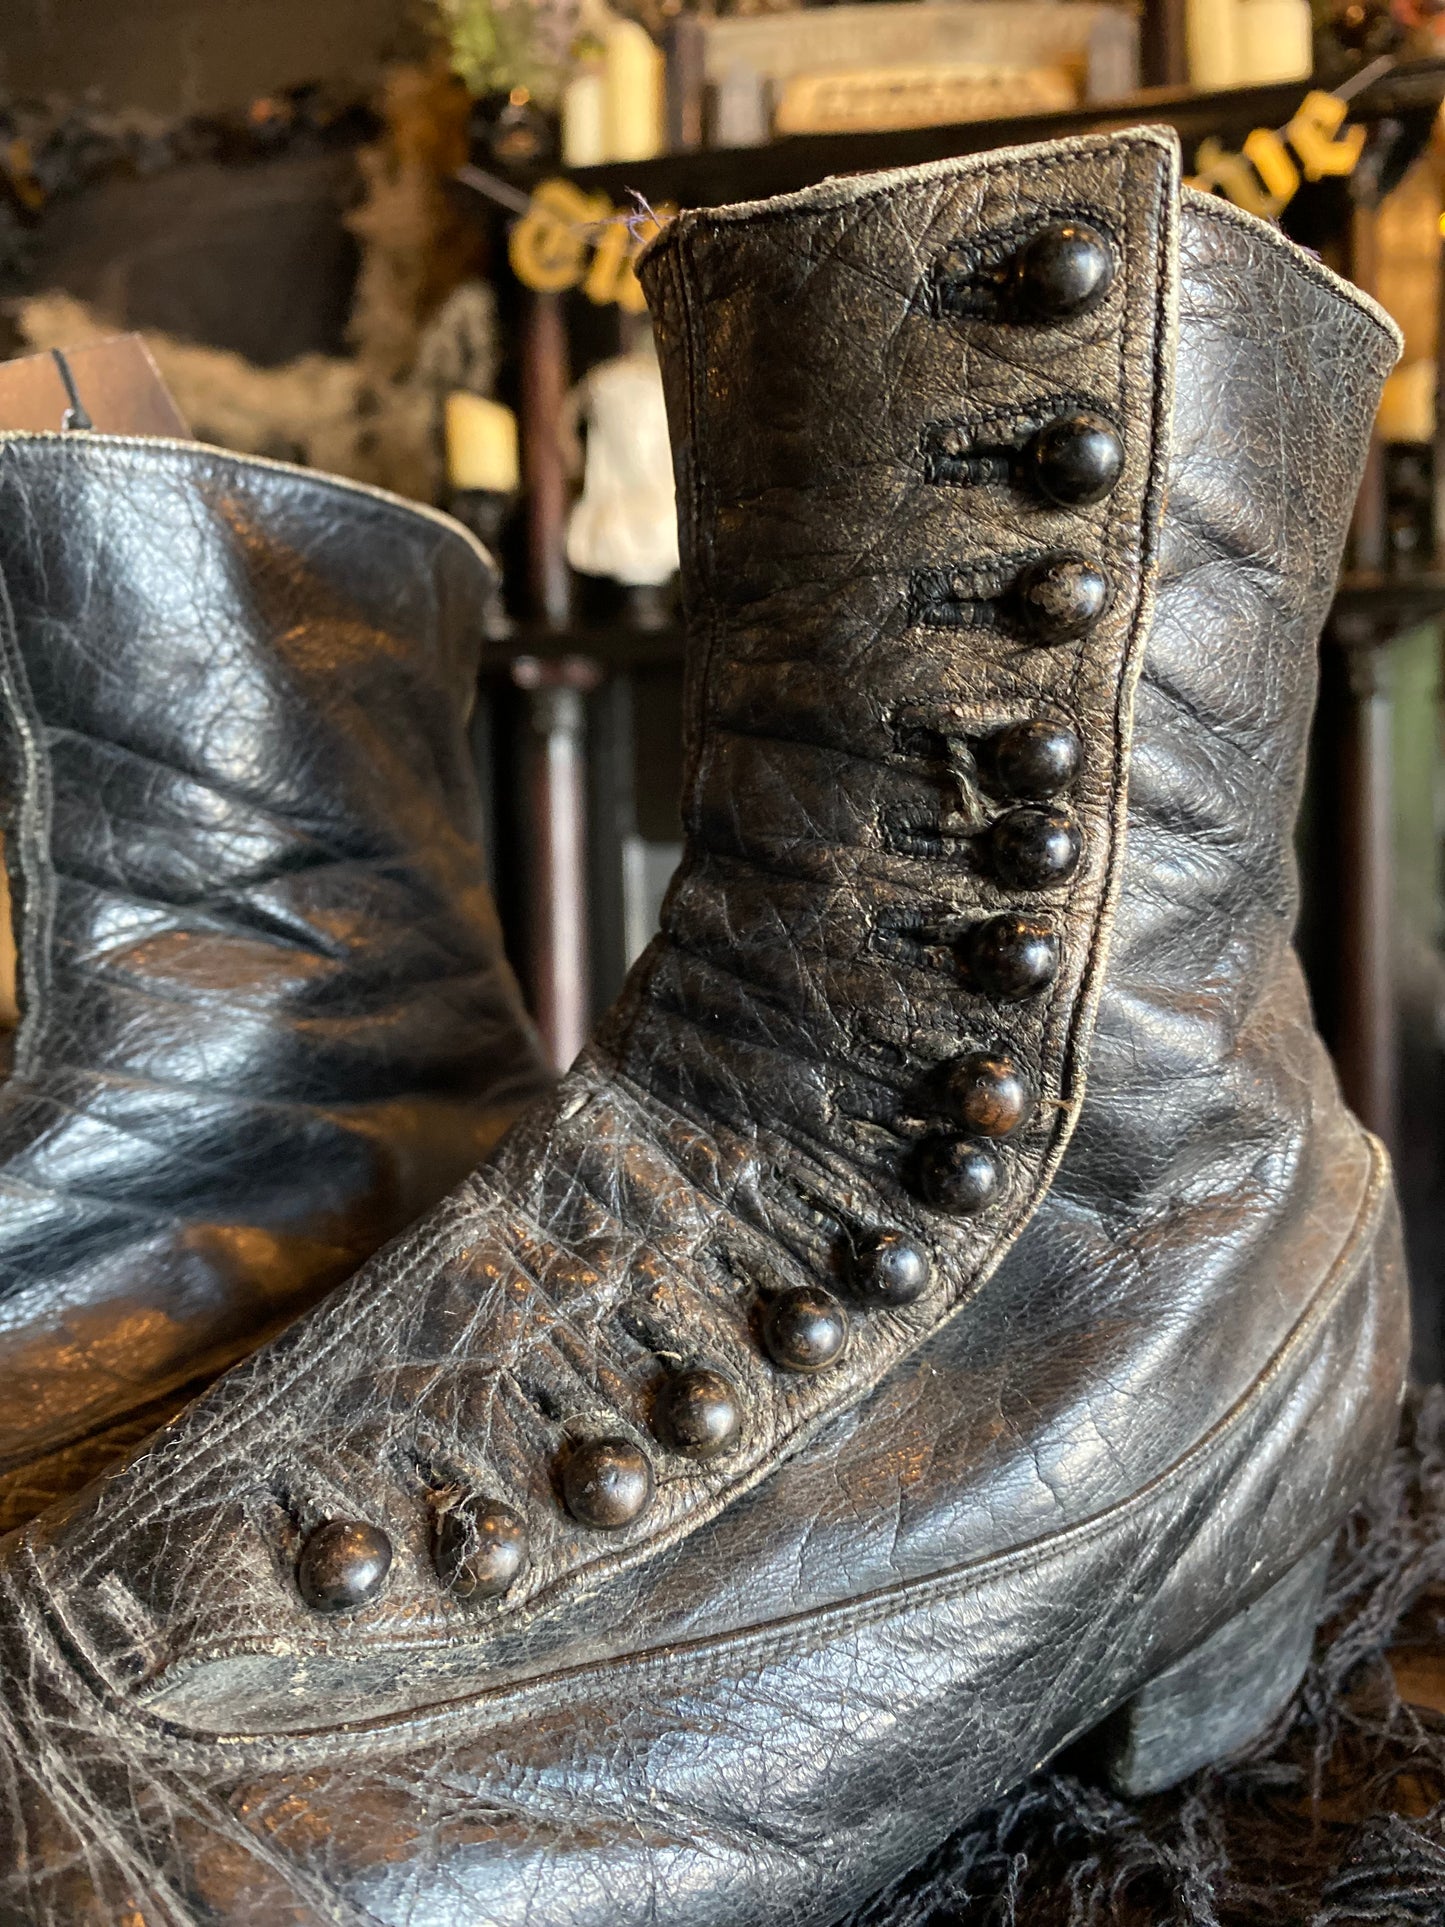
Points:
[1223,1693]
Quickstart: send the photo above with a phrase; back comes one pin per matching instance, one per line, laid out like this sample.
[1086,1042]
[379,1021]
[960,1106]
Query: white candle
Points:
[1212,31]
[481,439]
[633,69]
[1407,407]
[584,120]
[1276,42]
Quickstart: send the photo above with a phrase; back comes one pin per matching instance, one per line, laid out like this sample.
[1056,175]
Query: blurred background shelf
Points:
[716,177]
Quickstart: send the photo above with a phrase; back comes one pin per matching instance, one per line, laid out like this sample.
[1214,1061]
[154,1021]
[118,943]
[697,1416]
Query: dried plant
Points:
[498,46]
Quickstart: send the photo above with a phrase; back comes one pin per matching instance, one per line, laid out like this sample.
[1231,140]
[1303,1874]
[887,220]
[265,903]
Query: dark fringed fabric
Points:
[1335,1817]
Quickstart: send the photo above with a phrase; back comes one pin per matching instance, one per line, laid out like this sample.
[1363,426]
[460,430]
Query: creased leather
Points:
[266,1017]
[643,1213]
[1173,1385]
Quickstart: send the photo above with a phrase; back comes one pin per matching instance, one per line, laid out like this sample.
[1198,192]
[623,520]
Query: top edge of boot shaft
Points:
[74,442]
[848,190]
[1204,206]
[840,191]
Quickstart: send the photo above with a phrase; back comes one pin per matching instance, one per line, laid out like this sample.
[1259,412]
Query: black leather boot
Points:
[265,1015]
[950,1300]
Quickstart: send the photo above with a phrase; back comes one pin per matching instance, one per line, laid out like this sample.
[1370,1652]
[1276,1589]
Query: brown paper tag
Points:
[114,387]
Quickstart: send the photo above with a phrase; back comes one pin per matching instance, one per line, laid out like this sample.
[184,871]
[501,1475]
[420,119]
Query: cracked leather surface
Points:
[1140,1389]
[266,1015]
[670,1181]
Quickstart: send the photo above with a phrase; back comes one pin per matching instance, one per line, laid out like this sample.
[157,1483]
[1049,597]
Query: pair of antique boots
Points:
[947,1311]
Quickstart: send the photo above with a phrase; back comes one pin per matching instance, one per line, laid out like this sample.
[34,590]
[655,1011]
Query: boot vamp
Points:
[734,1781]
[1121,1330]
[1126,1323]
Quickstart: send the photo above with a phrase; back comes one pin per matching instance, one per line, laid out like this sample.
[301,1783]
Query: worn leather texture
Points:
[266,1018]
[1142,1385]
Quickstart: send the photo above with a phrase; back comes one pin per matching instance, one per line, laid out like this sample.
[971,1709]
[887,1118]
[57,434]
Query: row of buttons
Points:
[1073,461]
[481,1546]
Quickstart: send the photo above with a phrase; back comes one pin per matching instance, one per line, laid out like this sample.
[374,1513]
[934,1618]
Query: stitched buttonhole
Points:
[960,459]
[950,838]
[926,743]
[641,1323]
[817,1212]
[923,946]
[280,1520]
[978,278]
[987,451]
[956,598]
[541,1396]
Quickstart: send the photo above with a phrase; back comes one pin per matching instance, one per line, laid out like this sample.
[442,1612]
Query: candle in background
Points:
[1275,41]
[1407,407]
[633,80]
[584,119]
[1212,32]
[481,443]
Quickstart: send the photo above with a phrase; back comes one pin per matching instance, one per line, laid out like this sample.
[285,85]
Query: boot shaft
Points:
[959,452]
[239,779]
[265,1014]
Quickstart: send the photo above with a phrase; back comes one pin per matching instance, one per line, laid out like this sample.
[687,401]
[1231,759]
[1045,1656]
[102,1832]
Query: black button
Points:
[481,1547]
[1033,847]
[988,1094]
[1036,758]
[887,1268]
[957,1177]
[606,1483]
[1061,596]
[699,1414]
[805,1330]
[1076,459]
[1011,957]
[1064,270]
[342,1565]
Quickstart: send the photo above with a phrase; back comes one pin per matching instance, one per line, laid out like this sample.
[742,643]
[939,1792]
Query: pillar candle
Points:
[633,91]
[584,119]
[1212,28]
[1275,42]
[481,440]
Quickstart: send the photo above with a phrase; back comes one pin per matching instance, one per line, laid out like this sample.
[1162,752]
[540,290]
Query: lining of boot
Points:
[1334,1817]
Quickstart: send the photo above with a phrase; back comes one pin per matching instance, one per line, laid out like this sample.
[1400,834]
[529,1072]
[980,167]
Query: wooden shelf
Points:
[718,176]
[1372,609]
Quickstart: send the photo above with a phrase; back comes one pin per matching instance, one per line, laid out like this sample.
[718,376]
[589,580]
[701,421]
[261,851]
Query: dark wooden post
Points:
[1163,44]
[545,381]
[1369,528]
[1366,1046]
[555,756]
[556,766]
